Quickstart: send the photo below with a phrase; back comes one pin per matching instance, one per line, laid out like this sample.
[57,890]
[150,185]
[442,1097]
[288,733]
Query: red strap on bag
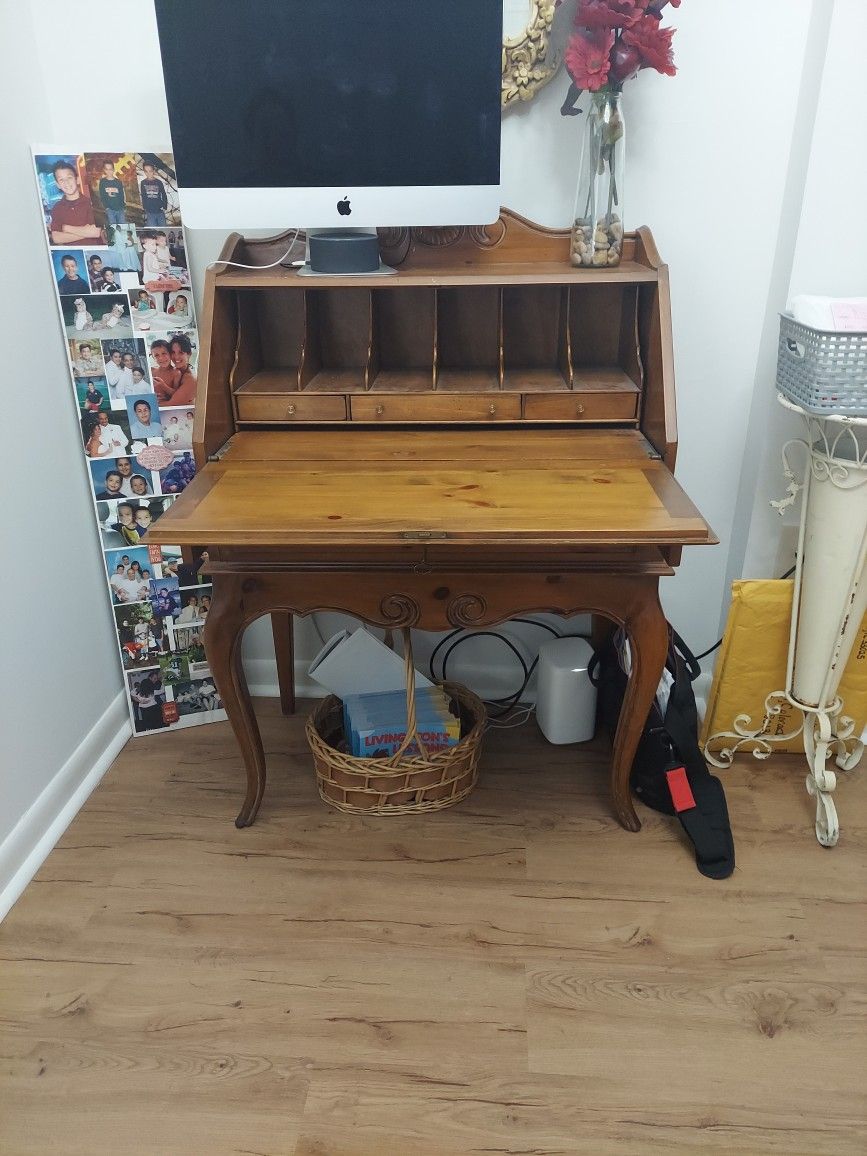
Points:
[681,792]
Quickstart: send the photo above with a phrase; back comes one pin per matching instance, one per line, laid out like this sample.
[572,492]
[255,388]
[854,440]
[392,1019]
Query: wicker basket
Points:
[402,784]
[822,371]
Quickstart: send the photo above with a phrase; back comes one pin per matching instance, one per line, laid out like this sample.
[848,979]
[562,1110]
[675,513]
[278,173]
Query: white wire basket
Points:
[823,371]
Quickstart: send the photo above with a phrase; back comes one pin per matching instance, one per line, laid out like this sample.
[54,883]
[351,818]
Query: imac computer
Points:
[323,113]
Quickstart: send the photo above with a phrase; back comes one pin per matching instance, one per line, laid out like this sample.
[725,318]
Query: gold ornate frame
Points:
[526,63]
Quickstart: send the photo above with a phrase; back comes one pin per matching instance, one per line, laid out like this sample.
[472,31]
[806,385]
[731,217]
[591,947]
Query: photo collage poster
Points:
[117,255]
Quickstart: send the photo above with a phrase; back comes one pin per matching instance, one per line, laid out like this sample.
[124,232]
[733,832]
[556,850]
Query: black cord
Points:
[511,700]
[533,622]
[446,638]
[470,634]
[710,650]
[719,641]
[488,634]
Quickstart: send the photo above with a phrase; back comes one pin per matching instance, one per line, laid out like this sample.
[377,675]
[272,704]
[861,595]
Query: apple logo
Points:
[343,207]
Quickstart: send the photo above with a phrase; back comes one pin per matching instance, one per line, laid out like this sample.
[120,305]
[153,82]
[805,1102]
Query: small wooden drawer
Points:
[436,407]
[579,406]
[290,407]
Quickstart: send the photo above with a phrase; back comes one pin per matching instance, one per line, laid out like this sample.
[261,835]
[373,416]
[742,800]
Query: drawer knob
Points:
[492,410]
[380,410]
[580,407]
[290,411]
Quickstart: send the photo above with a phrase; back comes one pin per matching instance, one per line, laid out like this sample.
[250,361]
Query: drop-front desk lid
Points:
[298,487]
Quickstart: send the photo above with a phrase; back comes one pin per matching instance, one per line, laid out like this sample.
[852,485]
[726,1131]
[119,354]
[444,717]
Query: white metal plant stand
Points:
[829,602]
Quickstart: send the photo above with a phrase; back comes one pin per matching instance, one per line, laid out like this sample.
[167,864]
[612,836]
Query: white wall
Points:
[60,670]
[716,167]
[707,163]
[829,256]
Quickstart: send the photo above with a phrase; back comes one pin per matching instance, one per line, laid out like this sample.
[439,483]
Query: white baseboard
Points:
[28,844]
[262,679]
[484,680]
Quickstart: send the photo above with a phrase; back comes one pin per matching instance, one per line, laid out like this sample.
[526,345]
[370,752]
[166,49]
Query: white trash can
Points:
[566,698]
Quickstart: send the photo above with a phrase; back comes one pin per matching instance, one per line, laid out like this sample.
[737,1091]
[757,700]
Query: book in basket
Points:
[375,725]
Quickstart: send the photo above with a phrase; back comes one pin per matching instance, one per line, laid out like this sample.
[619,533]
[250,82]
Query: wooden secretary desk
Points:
[490,431]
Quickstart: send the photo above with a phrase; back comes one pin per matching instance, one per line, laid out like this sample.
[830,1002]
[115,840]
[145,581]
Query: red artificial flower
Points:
[608,13]
[625,62]
[587,59]
[653,44]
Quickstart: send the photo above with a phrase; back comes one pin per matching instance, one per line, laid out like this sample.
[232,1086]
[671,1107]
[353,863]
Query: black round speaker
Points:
[344,251]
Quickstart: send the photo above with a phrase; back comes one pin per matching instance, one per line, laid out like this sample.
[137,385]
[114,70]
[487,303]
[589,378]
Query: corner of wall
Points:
[28,844]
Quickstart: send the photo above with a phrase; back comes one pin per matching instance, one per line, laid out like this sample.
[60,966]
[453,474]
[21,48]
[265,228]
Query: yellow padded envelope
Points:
[752,664]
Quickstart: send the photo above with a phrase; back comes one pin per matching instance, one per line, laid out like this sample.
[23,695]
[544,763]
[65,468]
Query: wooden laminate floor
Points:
[518,975]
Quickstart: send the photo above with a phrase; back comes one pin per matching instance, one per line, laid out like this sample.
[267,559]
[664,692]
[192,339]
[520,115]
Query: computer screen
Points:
[307,103]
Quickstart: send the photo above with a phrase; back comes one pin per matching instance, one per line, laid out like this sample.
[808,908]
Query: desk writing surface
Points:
[467,497]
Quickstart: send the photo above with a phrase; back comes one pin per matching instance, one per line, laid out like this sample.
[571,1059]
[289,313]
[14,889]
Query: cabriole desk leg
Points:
[224,629]
[284,649]
[647,631]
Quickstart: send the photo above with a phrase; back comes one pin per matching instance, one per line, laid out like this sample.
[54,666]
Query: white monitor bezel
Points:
[316,208]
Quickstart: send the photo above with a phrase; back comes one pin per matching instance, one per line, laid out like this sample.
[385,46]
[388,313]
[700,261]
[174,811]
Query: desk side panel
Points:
[214,422]
[658,412]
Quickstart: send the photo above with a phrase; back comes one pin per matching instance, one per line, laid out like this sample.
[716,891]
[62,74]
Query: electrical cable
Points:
[470,634]
[273,265]
[543,625]
[521,717]
[507,702]
[446,638]
[510,700]
[488,634]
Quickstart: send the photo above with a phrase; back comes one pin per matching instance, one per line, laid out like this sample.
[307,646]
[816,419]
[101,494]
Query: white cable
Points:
[526,712]
[279,261]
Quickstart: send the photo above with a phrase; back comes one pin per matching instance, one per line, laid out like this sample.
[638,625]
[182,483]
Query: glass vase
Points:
[597,222]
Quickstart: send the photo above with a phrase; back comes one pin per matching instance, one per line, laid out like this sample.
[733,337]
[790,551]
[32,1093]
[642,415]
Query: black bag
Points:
[669,773]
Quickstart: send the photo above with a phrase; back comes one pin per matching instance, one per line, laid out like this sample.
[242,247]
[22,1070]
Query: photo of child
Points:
[177,426]
[160,311]
[92,394]
[66,203]
[129,571]
[126,522]
[180,310]
[143,416]
[158,189]
[173,359]
[165,597]
[111,179]
[171,560]
[157,270]
[117,523]
[175,478]
[95,314]
[123,242]
[70,271]
[142,637]
[125,369]
[121,477]
[84,356]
